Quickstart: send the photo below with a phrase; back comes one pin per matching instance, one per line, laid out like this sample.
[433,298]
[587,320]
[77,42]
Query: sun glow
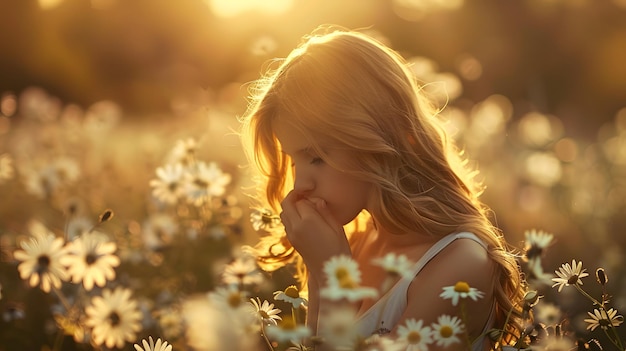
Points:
[231,8]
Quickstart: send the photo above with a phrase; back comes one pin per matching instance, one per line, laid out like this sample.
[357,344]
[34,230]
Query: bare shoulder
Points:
[462,260]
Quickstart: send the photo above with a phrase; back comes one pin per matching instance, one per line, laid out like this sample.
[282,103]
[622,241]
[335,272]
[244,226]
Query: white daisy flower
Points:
[343,280]
[340,269]
[114,318]
[291,295]
[548,313]
[230,297]
[603,319]
[169,185]
[205,181]
[536,243]
[414,335]
[184,152]
[41,259]
[339,328]
[243,270]
[211,326]
[40,181]
[265,311]
[287,330]
[159,346]
[91,259]
[396,265]
[446,331]
[264,219]
[159,230]
[569,275]
[67,169]
[460,290]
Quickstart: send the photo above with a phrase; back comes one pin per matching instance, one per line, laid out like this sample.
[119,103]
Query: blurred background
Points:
[535,91]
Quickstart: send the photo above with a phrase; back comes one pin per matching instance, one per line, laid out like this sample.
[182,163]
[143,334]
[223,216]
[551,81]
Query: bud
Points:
[601,276]
[105,216]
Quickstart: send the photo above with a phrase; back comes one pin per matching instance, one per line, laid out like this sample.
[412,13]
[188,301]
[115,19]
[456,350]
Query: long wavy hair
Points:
[345,90]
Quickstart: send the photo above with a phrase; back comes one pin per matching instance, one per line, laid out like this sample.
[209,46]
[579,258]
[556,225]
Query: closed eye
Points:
[317,161]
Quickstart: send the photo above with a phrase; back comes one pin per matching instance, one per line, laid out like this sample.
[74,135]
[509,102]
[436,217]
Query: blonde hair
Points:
[345,90]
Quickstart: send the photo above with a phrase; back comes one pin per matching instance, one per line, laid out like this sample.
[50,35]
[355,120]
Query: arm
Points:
[463,260]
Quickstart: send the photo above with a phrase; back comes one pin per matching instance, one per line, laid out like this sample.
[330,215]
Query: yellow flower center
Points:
[292,292]
[445,331]
[461,287]
[234,299]
[341,273]
[347,283]
[414,337]
[264,314]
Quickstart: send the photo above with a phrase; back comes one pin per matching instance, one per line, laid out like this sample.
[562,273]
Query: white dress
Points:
[383,316]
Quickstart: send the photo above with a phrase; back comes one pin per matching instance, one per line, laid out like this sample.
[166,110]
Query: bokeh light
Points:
[231,8]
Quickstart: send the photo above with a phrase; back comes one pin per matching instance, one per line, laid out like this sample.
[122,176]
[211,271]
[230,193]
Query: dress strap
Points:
[442,244]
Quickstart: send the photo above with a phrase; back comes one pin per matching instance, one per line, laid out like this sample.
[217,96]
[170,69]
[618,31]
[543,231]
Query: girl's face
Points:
[344,195]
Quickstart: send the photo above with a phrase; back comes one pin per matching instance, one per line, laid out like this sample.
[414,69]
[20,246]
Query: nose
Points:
[303,182]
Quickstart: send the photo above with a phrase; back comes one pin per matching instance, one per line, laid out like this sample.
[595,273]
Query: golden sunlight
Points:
[49,4]
[231,8]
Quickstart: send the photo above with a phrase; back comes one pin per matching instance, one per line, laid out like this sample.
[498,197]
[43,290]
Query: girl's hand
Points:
[313,232]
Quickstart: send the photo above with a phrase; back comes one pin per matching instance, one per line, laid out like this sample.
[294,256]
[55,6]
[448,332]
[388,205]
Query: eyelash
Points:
[314,161]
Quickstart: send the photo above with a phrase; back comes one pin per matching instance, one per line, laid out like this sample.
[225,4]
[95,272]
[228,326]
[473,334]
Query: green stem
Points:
[464,319]
[62,298]
[506,322]
[616,341]
[267,341]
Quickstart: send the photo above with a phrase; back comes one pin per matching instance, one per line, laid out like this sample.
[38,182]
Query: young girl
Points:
[342,134]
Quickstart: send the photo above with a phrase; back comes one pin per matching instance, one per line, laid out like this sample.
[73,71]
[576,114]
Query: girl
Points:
[343,134]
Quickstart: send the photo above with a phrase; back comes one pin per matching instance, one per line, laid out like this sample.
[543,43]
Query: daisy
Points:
[170,321]
[169,185]
[291,295]
[205,181]
[548,313]
[184,151]
[91,259]
[536,243]
[41,259]
[265,311]
[230,297]
[460,290]
[342,269]
[40,181]
[243,270]
[287,330]
[446,330]
[603,319]
[395,265]
[159,230]
[264,219]
[339,328]
[72,323]
[536,275]
[159,346]
[569,275]
[67,169]
[212,327]
[114,317]
[343,278]
[414,335]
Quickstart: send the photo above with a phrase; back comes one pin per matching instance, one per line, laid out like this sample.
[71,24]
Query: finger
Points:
[289,206]
[324,211]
